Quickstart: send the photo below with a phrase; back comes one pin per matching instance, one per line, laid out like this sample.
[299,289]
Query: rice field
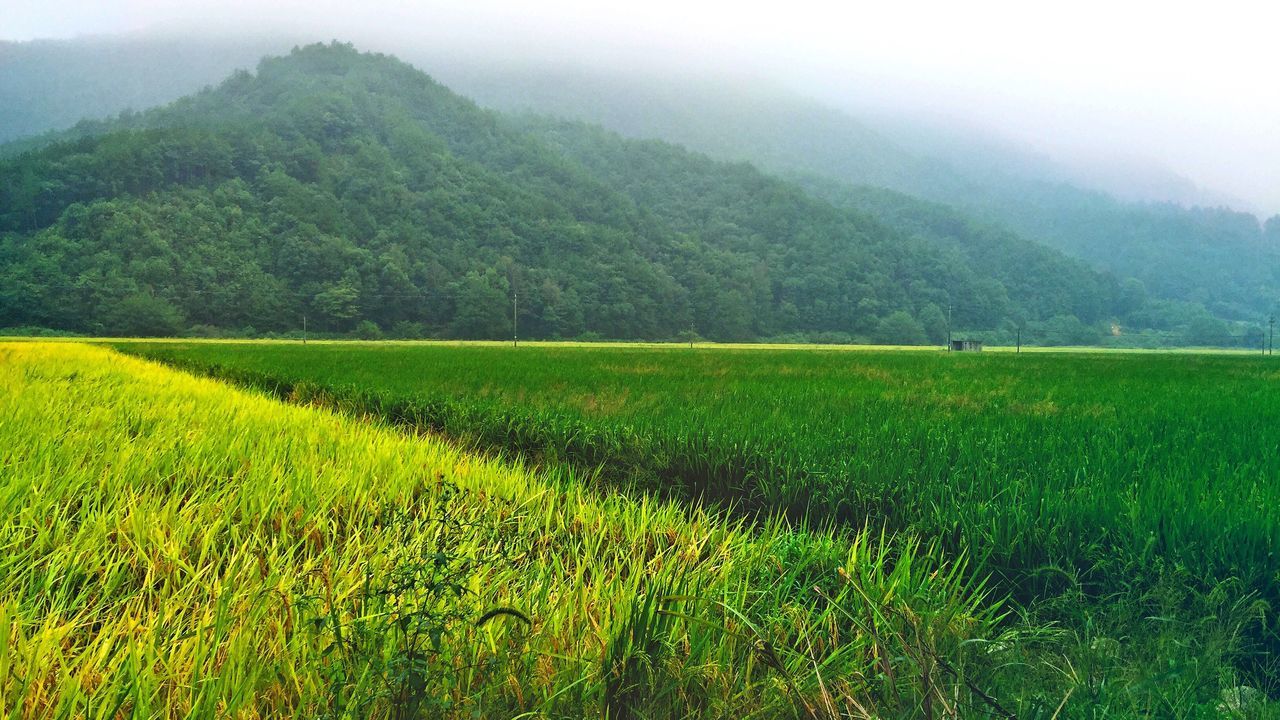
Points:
[1097,466]
[177,548]
[369,530]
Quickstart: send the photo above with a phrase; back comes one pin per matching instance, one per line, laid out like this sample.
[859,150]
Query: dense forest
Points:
[1225,261]
[1179,273]
[354,190]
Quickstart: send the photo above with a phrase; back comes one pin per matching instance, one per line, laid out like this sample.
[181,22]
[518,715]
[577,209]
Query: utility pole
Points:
[948,325]
[1019,350]
[304,328]
[515,314]
[1271,340]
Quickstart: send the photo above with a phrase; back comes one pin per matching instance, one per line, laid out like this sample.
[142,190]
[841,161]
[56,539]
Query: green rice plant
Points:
[1096,479]
[161,531]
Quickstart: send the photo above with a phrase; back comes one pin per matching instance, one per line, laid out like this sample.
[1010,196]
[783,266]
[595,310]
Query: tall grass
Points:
[173,547]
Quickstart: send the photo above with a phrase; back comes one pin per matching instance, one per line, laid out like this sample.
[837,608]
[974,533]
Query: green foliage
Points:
[1223,260]
[351,188]
[1066,330]
[899,328]
[934,322]
[142,315]
[388,643]
[338,304]
[368,331]
[480,301]
[1208,331]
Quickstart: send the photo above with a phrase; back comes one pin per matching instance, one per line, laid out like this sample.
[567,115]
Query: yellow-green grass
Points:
[173,547]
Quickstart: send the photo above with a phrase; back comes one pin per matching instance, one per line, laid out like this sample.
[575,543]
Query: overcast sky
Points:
[1194,87]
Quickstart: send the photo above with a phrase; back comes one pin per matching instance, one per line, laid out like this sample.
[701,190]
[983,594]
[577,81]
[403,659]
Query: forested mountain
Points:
[991,278]
[1217,258]
[1187,260]
[351,188]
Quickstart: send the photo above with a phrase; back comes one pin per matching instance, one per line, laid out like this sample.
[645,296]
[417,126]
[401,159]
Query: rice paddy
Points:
[174,547]
[1096,465]
[366,530]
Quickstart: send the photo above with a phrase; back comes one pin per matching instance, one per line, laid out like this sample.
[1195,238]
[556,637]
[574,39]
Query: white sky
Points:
[1193,86]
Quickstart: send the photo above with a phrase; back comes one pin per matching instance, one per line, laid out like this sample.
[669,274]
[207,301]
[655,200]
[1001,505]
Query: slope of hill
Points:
[349,187]
[1214,257]
[990,277]
[1188,259]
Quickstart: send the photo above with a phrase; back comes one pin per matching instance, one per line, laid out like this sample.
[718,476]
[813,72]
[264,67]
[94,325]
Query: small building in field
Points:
[966,346]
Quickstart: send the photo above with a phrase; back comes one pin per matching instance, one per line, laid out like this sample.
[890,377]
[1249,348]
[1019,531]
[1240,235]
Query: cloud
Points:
[1191,86]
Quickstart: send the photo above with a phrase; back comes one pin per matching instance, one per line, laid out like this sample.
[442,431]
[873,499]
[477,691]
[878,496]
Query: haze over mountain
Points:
[1185,86]
[53,84]
[1222,261]
[351,188]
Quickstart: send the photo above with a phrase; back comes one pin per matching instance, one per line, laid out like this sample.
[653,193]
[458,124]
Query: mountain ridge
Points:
[1206,257]
[354,188]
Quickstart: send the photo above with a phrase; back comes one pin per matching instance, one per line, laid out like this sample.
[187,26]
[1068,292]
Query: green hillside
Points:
[1225,261]
[354,190]
[1195,267]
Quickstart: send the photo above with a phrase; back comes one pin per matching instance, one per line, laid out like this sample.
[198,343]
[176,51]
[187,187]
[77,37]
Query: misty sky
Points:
[1191,87]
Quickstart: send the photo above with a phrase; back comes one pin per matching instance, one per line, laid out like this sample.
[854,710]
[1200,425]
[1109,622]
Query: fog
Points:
[1107,87]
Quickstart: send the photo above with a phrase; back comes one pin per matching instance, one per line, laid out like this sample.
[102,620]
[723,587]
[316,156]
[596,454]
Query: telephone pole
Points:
[948,325]
[1271,339]
[515,314]
[304,328]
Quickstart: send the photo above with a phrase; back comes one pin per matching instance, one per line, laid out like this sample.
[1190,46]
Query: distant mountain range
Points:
[935,232]
[1224,259]
[353,189]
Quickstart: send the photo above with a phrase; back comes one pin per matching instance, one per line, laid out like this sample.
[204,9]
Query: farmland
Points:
[1099,491]
[178,548]
[1097,465]
[365,529]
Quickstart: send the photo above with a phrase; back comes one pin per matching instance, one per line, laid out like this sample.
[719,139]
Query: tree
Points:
[348,188]
[143,315]
[1254,337]
[1068,330]
[934,322]
[689,336]
[1208,331]
[1133,296]
[899,328]
[368,330]
[482,308]
[338,304]
[1271,230]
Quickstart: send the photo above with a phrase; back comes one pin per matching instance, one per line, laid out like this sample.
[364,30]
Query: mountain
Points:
[979,151]
[355,190]
[1214,257]
[1188,259]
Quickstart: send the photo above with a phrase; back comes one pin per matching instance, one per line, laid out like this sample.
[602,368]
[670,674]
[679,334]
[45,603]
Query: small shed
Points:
[966,346]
